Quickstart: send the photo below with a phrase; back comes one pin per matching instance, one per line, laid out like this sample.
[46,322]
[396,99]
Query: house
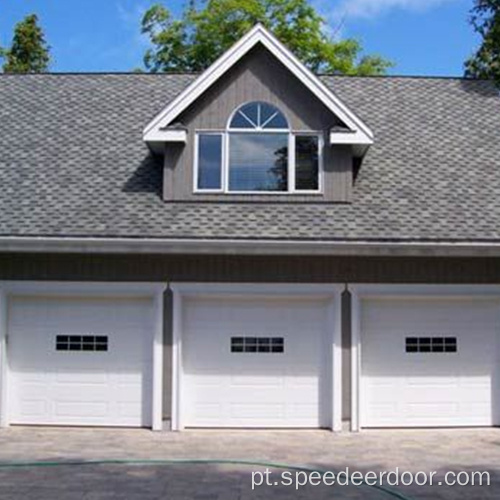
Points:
[255,246]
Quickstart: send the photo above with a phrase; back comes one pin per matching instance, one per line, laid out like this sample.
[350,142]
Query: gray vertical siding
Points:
[173,152]
[258,76]
[167,353]
[346,355]
[217,268]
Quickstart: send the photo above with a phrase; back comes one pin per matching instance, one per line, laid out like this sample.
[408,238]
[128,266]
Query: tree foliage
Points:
[29,52]
[202,33]
[485,18]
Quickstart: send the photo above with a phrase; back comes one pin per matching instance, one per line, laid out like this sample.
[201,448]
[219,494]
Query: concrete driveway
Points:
[413,451]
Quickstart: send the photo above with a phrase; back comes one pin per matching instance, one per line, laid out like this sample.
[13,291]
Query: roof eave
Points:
[360,248]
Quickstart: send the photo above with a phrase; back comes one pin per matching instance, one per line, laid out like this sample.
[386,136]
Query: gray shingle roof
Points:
[72,163]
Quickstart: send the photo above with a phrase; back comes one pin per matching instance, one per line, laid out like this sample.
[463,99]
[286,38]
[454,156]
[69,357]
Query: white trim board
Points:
[3,361]
[86,289]
[256,35]
[354,139]
[324,291]
[168,136]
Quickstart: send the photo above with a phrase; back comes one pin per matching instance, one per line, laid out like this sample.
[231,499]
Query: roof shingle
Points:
[73,163]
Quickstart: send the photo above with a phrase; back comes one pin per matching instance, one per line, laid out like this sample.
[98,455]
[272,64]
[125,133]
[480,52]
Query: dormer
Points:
[257,124]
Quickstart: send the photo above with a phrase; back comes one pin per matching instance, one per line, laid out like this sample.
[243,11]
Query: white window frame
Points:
[292,164]
[196,189]
[225,139]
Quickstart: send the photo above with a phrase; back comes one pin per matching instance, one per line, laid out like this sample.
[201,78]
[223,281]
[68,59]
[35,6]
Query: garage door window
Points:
[258,344]
[94,343]
[431,344]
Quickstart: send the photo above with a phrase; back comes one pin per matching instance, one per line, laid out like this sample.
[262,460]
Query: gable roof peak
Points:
[156,130]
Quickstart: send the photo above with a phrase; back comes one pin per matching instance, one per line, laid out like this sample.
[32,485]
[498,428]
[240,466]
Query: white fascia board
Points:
[350,138]
[246,247]
[167,136]
[256,35]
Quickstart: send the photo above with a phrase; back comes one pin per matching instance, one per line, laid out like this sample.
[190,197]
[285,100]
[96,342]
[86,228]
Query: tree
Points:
[485,18]
[193,41]
[29,52]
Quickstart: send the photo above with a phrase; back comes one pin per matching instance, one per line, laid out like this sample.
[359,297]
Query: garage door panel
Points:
[257,412]
[431,385]
[80,387]
[257,382]
[129,409]
[306,386]
[78,377]
[402,388]
[302,409]
[254,389]
[129,391]
[79,409]
[32,408]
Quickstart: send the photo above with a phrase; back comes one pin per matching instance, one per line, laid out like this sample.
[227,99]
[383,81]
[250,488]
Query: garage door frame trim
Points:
[12,289]
[331,291]
[360,292]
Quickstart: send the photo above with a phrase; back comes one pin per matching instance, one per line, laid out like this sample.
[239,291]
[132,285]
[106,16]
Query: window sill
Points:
[267,194]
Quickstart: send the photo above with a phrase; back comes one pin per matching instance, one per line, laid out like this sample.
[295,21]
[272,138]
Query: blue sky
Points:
[422,37]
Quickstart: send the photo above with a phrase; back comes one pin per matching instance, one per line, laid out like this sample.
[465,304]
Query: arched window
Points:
[258,116]
[258,152]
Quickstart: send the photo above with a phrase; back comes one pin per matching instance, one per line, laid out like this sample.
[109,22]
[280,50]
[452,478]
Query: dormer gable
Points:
[165,129]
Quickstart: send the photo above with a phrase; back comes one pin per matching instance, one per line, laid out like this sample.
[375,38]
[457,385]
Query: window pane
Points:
[258,162]
[241,121]
[306,163]
[246,116]
[271,117]
[266,112]
[209,161]
[277,121]
[251,112]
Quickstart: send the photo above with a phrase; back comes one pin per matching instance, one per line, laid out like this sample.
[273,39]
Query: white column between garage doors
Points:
[11,291]
[425,356]
[215,385]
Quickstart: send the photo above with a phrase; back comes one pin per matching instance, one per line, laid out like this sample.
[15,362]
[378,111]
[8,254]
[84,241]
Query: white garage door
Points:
[255,363]
[429,363]
[80,361]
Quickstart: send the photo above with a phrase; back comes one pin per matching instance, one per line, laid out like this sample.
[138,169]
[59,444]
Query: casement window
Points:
[209,161]
[258,153]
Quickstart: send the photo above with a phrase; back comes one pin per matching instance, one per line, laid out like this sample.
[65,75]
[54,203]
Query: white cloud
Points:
[373,8]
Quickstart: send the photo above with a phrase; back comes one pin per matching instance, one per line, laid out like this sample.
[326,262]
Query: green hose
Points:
[5,465]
